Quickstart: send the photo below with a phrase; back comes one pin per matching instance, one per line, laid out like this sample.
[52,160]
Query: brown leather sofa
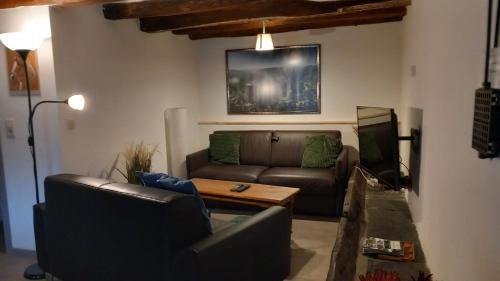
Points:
[275,157]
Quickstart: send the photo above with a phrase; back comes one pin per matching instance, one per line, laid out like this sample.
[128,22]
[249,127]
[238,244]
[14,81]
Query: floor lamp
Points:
[23,44]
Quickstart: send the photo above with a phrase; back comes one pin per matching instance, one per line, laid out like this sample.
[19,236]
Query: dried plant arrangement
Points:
[137,158]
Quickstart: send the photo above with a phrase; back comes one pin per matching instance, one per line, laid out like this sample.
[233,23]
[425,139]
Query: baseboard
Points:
[20,252]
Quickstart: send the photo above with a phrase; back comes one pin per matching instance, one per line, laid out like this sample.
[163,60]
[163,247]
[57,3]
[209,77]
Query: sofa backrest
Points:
[288,146]
[98,230]
[255,147]
[275,148]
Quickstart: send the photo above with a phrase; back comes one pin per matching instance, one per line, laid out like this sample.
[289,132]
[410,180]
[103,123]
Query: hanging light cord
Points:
[262,36]
[486,83]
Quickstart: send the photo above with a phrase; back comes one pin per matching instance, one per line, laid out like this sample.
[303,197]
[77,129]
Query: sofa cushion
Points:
[314,181]
[255,147]
[288,146]
[225,148]
[164,181]
[243,173]
[320,151]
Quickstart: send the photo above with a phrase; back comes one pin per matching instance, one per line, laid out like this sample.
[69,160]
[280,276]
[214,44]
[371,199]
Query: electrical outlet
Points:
[10,128]
[413,71]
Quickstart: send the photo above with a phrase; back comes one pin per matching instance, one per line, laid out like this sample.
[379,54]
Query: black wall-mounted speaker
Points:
[486,132]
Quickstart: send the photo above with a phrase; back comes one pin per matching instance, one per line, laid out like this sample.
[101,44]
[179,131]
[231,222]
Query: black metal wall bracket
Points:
[414,138]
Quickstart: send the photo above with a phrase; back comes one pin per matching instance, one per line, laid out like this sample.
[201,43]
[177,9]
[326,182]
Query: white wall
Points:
[457,208]
[359,66]
[16,157]
[129,79]
[2,190]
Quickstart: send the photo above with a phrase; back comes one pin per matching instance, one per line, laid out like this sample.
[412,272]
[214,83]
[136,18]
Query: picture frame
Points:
[16,74]
[286,80]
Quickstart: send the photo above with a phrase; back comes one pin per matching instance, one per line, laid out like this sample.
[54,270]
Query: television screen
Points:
[378,144]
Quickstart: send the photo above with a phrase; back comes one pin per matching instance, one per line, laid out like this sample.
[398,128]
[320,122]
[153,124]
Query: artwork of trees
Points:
[284,80]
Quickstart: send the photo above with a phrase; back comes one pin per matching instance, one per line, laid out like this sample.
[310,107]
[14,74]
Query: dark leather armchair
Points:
[104,231]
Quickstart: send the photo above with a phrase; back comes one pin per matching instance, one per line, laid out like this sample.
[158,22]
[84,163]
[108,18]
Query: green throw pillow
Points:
[320,151]
[225,148]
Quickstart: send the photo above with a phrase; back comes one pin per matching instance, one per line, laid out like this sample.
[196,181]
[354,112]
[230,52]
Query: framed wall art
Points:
[285,80]
[17,76]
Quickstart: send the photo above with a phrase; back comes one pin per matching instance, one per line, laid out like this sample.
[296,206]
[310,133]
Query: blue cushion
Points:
[171,183]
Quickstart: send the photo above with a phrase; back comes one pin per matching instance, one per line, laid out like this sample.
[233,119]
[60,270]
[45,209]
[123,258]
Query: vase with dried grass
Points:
[137,158]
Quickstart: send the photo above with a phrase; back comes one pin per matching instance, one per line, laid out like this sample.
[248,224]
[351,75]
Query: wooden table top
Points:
[278,195]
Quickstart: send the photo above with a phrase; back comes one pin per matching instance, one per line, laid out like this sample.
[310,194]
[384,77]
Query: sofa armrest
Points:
[342,166]
[256,249]
[342,174]
[196,160]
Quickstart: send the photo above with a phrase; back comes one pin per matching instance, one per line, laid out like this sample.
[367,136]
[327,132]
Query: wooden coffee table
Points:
[260,195]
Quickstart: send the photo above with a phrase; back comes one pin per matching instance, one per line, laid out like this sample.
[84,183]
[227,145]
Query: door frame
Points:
[4,205]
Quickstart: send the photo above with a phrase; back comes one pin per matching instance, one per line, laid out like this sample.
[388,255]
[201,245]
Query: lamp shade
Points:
[264,42]
[21,41]
[76,102]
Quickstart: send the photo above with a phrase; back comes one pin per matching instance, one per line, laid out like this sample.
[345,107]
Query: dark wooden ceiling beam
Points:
[287,25]
[5,4]
[153,25]
[297,27]
[156,8]
[248,10]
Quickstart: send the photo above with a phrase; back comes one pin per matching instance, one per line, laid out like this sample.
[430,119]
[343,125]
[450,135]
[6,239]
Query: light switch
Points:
[9,127]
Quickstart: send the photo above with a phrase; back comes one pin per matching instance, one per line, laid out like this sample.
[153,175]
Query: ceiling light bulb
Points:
[21,41]
[264,42]
[76,102]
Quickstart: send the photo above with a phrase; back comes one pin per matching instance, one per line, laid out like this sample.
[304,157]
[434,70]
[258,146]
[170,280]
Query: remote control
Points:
[240,187]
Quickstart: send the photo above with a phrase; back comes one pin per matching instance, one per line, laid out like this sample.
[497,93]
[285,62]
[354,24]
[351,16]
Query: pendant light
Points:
[264,40]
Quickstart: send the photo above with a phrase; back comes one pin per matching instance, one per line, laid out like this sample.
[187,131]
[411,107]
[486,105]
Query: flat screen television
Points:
[379,144]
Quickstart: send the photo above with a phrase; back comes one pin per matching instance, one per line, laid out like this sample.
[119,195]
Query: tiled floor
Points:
[12,268]
[312,244]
